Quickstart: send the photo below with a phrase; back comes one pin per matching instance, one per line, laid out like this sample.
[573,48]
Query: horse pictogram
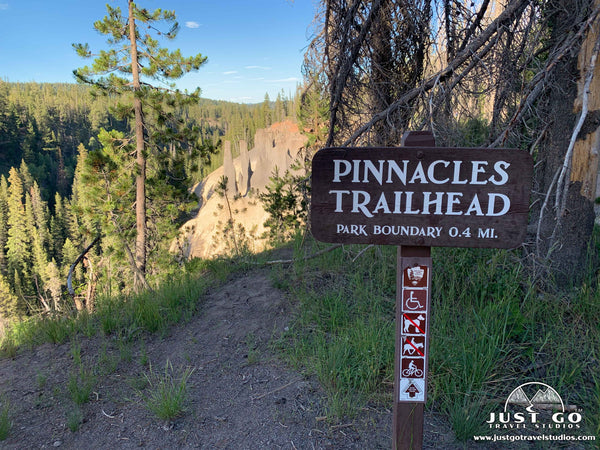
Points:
[414,346]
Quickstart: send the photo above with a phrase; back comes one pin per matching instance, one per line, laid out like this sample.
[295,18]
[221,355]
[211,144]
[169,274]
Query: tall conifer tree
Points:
[3,223]
[9,304]
[134,57]
[18,245]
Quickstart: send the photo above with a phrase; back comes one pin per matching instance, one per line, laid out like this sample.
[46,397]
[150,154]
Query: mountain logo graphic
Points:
[535,396]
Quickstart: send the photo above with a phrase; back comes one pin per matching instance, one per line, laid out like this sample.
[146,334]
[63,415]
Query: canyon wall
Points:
[275,148]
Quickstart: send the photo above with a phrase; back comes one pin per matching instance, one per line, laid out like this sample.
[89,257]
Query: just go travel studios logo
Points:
[536,412]
[538,406]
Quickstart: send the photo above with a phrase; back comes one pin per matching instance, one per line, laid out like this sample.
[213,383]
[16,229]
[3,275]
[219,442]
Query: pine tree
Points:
[38,255]
[70,254]
[265,117]
[9,304]
[58,228]
[78,224]
[40,215]
[144,59]
[3,224]
[53,285]
[26,176]
[18,245]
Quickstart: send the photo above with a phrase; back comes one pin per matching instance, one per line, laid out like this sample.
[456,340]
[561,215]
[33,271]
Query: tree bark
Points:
[78,303]
[565,209]
[140,158]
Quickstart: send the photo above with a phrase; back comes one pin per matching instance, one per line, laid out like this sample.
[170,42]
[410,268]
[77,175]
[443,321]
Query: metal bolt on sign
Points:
[415,197]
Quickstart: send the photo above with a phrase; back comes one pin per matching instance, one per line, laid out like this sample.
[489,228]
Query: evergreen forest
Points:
[52,201]
[95,183]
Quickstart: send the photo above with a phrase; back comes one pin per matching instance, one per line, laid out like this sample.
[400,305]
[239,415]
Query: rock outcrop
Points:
[275,149]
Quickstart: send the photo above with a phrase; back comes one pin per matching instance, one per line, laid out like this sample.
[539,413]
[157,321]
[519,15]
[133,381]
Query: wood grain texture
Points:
[454,177]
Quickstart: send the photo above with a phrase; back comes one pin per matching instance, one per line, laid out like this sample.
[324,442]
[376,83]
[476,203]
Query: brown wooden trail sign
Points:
[418,196]
[426,196]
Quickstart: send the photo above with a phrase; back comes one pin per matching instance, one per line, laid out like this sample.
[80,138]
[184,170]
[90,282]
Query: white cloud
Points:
[284,80]
[3,6]
[258,67]
[230,72]
[244,99]
[191,24]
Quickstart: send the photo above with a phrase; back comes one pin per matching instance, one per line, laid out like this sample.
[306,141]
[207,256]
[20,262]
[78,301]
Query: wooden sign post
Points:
[413,306]
[416,197]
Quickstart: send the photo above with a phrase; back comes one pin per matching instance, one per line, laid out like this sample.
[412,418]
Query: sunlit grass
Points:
[124,315]
[166,393]
[490,331]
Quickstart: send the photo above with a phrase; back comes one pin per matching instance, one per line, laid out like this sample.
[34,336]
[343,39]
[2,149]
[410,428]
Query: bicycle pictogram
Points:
[412,371]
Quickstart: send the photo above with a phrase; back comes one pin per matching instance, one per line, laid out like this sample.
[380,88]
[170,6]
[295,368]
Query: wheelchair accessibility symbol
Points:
[414,300]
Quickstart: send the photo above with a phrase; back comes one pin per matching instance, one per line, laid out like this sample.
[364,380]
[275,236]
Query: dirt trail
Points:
[241,395]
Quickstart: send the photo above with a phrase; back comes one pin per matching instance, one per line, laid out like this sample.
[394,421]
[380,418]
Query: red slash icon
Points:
[414,323]
[414,346]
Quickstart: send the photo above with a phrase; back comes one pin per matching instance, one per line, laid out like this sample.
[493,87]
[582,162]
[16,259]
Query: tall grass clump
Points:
[166,394]
[344,329]
[81,384]
[5,418]
[74,418]
[476,333]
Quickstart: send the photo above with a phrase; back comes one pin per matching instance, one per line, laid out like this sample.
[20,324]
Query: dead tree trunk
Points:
[568,155]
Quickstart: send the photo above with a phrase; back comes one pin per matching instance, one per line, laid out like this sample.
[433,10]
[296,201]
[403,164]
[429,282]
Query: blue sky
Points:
[253,46]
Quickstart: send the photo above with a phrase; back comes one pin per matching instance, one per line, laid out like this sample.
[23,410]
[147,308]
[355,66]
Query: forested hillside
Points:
[57,194]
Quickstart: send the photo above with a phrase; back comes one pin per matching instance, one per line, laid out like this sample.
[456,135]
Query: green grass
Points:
[126,316]
[81,384]
[166,393]
[5,418]
[252,352]
[477,330]
[74,418]
[345,327]
[490,331]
